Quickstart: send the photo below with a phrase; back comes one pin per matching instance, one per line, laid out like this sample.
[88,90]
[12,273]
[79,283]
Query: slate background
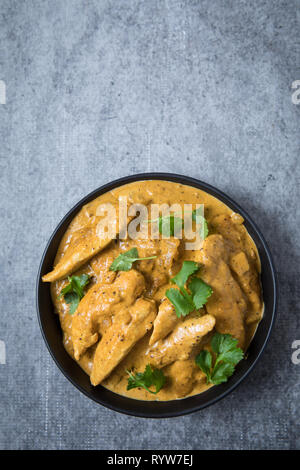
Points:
[102,89]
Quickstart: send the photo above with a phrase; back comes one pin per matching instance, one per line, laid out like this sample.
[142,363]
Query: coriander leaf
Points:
[169,225]
[200,291]
[221,343]
[158,379]
[221,373]
[227,356]
[198,218]
[188,268]
[204,361]
[231,357]
[225,346]
[74,291]
[72,299]
[146,379]
[147,375]
[136,380]
[124,261]
[65,290]
[183,301]
[183,306]
[78,283]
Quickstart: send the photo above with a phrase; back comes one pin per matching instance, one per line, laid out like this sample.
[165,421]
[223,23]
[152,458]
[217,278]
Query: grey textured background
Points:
[102,89]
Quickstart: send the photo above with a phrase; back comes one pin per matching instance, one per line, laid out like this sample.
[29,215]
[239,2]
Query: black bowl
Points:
[52,333]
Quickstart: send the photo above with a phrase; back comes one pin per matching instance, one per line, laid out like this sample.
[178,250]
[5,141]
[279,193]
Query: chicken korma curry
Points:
[146,317]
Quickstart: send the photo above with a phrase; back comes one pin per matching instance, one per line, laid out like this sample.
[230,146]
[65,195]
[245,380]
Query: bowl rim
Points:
[215,192]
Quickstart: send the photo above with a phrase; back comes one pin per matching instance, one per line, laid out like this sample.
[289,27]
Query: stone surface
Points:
[98,90]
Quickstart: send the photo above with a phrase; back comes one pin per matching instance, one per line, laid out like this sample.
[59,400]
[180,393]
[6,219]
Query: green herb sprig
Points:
[228,355]
[170,225]
[74,291]
[198,218]
[150,377]
[125,260]
[186,301]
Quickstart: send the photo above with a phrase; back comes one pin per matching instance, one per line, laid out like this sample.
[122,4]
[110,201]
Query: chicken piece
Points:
[84,244]
[169,251]
[249,281]
[182,377]
[100,265]
[236,218]
[180,344]
[227,303]
[231,231]
[85,241]
[165,321]
[240,264]
[94,312]
[158,270]
[121,337]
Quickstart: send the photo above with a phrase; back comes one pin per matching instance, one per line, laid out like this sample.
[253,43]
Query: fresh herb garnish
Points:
[183,306]
[184,301]
[227,357]
[146,379]
[124,261]
[74,291]
[188,268]
[199,219]
[200,291]
[168,225]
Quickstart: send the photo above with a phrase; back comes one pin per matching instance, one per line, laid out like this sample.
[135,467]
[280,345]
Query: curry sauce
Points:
[125,321]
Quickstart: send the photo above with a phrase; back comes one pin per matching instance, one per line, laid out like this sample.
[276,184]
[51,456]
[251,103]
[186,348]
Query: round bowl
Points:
[52,333]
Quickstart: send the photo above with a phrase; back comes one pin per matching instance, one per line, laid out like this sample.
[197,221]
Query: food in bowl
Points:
[151,313]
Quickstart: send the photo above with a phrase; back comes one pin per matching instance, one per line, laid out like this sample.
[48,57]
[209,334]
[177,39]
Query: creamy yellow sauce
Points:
[229,264]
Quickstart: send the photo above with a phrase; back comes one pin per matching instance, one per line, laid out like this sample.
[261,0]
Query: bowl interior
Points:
[53,335]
